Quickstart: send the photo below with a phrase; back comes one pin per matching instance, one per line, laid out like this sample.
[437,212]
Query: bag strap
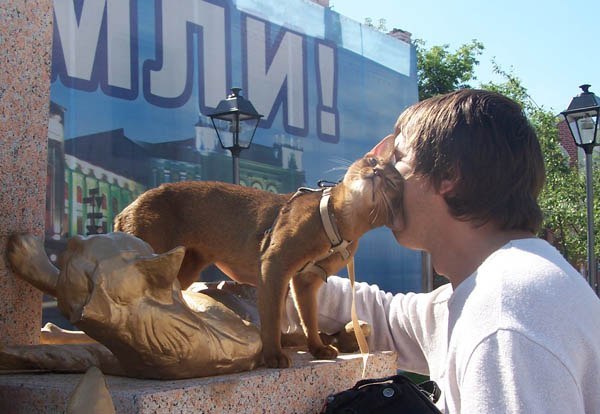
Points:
[363,382]
[432,390]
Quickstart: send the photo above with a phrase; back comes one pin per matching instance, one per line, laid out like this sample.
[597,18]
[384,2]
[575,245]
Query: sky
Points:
[552,46]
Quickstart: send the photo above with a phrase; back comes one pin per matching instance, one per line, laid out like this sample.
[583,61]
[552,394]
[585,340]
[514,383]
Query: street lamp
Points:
[582,117]
[243,118]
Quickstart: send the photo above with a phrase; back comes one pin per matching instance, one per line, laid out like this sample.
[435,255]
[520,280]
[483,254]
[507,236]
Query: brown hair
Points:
[483,141]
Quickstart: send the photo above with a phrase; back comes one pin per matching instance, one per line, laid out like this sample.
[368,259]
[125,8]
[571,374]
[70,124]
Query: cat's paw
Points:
[324,352]
[277,360]
[23,252]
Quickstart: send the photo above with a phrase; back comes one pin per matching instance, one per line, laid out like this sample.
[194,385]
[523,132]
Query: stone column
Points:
[25,57]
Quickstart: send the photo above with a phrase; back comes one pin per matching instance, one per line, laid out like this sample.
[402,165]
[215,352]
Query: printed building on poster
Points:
[120,169]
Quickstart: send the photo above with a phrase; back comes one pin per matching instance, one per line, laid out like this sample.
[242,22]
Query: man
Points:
[517,329]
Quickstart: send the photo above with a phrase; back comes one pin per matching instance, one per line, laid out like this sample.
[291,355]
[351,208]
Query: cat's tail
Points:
[118,224]
[122,221]
[135,219]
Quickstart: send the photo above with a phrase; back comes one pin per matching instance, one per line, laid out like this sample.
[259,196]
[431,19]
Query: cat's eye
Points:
[372,161]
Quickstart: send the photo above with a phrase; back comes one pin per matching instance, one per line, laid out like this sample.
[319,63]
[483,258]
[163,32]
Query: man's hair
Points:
[483,142]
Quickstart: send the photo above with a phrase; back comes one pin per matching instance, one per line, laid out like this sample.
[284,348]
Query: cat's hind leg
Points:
[193,263]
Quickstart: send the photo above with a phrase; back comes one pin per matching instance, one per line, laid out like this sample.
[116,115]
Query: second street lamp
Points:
[242,117]
[582,117]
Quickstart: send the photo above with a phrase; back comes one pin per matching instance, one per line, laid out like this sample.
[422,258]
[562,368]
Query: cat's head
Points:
[104,272]
[374,185]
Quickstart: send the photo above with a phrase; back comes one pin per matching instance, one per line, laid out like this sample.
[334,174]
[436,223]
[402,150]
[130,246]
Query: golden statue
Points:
[121,294]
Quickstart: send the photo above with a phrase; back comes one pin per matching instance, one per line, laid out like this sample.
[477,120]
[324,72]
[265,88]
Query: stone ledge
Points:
[300,389]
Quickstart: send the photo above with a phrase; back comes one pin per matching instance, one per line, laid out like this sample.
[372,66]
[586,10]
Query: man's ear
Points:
[384,148]
[448,184]
[447,187]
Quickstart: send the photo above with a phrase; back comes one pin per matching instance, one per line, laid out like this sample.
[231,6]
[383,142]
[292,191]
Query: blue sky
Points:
[552,46]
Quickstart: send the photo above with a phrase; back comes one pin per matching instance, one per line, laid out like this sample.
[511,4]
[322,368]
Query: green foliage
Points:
[563,199]
[441,71]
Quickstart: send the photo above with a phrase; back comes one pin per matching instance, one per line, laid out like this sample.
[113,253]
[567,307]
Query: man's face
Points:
[420,199]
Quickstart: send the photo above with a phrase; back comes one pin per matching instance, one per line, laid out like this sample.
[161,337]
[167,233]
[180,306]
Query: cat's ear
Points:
[161,270]
[385,147]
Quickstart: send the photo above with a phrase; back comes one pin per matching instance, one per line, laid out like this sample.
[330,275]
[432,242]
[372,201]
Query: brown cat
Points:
[266,240]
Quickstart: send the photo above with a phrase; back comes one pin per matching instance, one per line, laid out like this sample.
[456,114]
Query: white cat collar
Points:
[337,244]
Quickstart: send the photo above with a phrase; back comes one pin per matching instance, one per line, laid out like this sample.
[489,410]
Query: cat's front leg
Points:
[272,288]
[304,289]
[28,259]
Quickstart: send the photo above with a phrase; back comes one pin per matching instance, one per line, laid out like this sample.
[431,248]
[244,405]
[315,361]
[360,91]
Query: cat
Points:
[266,239]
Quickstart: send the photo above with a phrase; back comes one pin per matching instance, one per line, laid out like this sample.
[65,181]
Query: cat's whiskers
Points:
[343,165]
[375,211]
[353,175]
[391,183]
[341,161]
[333,169]
[387,204]
[384,206]
[373,215]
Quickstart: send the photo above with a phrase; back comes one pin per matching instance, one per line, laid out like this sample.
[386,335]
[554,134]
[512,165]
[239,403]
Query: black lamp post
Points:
[582,117]
[238,111]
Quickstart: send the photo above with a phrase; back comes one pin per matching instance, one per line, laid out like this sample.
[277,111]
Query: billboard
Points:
[133,81]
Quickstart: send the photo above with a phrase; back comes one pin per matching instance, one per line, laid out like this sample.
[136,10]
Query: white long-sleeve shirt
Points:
[520,335]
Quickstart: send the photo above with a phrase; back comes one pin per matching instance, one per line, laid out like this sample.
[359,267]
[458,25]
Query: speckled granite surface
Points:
[300,389]
[25,52]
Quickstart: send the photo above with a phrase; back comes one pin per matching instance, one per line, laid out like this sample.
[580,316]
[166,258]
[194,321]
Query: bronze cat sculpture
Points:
[266,240]
[113,287]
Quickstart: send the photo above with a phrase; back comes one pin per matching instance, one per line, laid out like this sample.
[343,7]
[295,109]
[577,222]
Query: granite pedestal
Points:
[300,389]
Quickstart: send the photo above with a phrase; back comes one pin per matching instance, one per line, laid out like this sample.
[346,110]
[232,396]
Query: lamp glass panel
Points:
[247,128]
[220,129]
[587,129]
[228,131]
[584,126]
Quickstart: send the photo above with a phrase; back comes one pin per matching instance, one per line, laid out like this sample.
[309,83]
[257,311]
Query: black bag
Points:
[396,394]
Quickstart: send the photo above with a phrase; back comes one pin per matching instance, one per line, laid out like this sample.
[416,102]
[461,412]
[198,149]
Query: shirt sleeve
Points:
[397,322]
[509,373]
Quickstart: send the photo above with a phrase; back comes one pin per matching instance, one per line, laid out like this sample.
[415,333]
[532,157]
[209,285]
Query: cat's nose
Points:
[378,171]
[368,173]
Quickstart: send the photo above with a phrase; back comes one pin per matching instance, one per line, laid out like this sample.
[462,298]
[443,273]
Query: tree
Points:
[441,71]
[563,197]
